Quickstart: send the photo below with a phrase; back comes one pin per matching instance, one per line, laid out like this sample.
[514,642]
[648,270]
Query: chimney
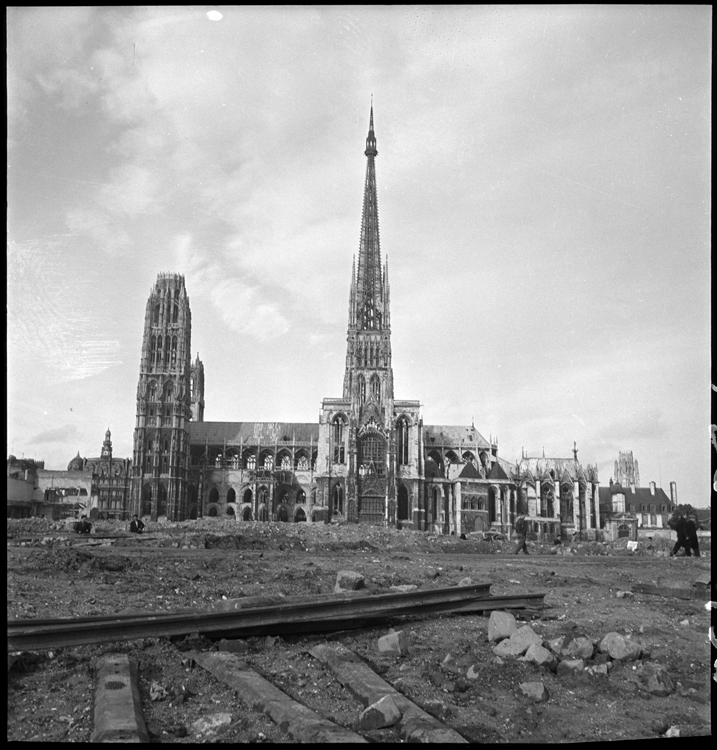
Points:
[652,488]
[673,492]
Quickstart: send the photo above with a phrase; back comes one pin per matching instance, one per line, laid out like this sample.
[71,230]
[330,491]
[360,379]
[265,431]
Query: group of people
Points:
[686,527]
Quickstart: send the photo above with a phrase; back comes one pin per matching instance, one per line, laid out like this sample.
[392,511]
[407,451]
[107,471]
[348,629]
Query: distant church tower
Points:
[627,473]
[160,459]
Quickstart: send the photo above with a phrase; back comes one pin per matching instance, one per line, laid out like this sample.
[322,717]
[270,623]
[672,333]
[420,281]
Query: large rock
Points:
[619,647]
[393,644]
[540,656]
[348,580]
[382,713]
[518,643]
[654,679]
[570,666]
[501,625]
[536,691]
[579,648]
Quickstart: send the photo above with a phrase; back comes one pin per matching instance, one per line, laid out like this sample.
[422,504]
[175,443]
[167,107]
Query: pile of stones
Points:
[566,655]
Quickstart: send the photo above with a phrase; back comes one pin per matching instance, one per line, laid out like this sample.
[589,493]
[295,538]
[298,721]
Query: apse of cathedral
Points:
[370,459]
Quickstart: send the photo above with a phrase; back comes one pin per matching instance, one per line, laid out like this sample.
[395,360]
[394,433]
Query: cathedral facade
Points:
[370,458]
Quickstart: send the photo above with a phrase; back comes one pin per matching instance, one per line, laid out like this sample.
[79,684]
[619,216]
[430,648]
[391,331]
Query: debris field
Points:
[619,651]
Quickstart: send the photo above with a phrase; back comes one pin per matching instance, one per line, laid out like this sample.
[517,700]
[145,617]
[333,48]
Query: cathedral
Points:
[370,459]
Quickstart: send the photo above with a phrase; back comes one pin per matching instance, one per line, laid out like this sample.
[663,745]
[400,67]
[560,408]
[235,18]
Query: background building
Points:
[21,486]
[632,511]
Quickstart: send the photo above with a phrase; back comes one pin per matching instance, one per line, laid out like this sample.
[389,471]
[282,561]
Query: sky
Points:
[543,189]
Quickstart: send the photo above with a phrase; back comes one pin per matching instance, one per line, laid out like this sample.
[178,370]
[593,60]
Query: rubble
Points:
[348,580]
[393,644]
[540,656]
[211,724]
[501,625]
[570,666]
[653,679]
[619,648]
[518,643]
[382,713]
[536,691]
[579,648]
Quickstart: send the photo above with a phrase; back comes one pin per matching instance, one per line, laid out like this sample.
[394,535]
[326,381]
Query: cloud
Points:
[64,434]
[243,310]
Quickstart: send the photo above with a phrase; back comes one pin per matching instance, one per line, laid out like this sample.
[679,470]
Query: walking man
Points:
[521,529]
[681,529]
[692,525]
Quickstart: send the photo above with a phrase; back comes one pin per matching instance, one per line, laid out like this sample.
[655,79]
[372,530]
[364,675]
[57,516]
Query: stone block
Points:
[501,625]
[382,713]
[525,637]
[348,580]
[393,644]
[536,691]
[540,656]
[465,582]
[624,595]
[620,648]
[570,666]
[404,588]
[578,648]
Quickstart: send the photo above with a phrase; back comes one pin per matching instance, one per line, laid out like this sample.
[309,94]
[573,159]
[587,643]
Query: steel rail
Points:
[475,590]
[533,602]
[33,634]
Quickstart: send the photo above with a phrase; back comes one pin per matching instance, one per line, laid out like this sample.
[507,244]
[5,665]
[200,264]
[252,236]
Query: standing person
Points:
[680,528]
[521,529]
[136,526]
[692,525]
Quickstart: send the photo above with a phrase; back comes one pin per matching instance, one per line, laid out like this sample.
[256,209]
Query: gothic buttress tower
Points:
[164,403]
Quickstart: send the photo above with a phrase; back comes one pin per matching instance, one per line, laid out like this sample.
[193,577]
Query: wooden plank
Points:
[356,676]
[300,722]
[679,593]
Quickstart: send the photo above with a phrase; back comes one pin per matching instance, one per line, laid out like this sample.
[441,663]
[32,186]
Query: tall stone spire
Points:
[368,354]
[369,281]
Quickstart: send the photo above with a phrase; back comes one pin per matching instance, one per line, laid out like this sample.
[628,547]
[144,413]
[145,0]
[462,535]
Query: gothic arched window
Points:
[402,441]
[362,389]
[337,437]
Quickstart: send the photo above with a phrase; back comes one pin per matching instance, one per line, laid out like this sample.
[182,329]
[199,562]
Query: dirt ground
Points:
[55,573]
